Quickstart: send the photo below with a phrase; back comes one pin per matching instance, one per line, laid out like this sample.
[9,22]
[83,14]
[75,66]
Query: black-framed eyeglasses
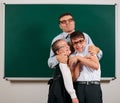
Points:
[65,21]
[78,42]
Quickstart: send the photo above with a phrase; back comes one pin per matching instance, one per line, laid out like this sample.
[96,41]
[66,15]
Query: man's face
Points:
[67,24]
[78,44]
[64,48]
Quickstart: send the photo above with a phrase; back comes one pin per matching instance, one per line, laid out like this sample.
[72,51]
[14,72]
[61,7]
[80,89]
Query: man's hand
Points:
[75,100]
[62,58]
[93,50]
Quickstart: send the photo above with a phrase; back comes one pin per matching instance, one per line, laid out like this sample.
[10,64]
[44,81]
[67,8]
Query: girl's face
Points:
[64,48]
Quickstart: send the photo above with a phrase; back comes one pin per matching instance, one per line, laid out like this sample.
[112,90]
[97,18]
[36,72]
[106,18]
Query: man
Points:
[87,85]
[67,25]
[57,92]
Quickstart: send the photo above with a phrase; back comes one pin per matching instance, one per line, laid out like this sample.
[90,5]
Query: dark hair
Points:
[55,46]
[76,34]
[64,14]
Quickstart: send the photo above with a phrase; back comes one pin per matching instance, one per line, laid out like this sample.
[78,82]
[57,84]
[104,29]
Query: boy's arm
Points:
[91,61]
[75,71]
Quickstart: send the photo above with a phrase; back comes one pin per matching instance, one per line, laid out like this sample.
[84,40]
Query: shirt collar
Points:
[66,35]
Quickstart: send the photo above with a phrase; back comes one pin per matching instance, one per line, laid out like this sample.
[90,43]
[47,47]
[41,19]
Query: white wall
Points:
[36,92]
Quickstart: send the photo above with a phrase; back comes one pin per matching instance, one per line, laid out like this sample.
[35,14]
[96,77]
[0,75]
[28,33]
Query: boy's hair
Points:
[76,34]
[55,46]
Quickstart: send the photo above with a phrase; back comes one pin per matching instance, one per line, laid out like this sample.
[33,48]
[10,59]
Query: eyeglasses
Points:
[78,42]
[65,21]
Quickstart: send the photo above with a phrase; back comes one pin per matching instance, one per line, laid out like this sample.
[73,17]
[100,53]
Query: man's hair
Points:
[64,14]
[55,46]
[76,34]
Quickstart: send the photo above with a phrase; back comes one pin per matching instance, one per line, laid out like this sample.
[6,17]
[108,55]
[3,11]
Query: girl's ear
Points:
[57,52]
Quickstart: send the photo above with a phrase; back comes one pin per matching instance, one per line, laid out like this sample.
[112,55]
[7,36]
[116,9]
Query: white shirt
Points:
[67,78]
[88,74]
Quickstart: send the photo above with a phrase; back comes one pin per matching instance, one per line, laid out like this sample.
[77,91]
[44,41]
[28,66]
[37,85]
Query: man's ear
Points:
[60,26]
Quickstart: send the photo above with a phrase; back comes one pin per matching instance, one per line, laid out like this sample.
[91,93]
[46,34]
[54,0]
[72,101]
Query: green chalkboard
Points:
[30,28]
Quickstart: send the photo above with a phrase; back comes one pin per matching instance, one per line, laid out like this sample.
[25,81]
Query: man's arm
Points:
[52,61]
[89,41]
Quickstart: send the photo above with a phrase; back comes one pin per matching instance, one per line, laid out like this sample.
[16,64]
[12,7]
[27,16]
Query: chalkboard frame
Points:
[42,77]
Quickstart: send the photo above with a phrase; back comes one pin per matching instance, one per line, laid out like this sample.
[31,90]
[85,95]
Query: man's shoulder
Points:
[59,36]
[85,34]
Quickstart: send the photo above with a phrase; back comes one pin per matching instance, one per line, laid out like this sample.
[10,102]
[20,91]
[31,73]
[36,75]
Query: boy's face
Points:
[78,44]
[64,48]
